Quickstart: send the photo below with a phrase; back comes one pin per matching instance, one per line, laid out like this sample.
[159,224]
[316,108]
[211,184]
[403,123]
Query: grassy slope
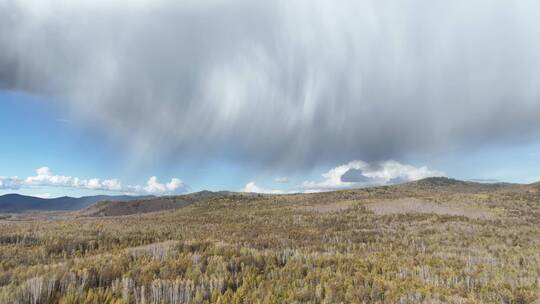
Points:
[317,248]
[146,205]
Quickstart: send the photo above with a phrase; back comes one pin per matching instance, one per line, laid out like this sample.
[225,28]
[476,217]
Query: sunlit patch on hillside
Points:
[414,205]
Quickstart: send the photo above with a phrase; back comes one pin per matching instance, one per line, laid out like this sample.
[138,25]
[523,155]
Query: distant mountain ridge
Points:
[452,184]
[157,204]
[16,203]
[138,206]
[103,205]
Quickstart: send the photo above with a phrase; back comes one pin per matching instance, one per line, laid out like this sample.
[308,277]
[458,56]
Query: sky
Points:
[167,97]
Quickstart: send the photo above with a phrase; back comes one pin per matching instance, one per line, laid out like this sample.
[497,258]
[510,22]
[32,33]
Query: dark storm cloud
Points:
[283,82]
[355,176]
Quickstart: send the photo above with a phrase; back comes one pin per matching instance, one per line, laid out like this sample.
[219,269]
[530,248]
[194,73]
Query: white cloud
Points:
[112,184]
[281,180]
[94,184]
[153,186]
[43,171]
[43,195]
[359,173]
[174,184]
[44,177]
[251,187]
[356,173]
[10,183]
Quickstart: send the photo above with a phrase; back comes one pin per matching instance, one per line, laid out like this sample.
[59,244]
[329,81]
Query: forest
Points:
[432,241]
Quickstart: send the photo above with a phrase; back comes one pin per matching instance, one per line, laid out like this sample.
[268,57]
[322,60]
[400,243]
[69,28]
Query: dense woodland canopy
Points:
[460,243]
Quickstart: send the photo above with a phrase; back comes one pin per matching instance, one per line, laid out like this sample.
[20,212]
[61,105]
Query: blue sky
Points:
[265,97]
[38,132]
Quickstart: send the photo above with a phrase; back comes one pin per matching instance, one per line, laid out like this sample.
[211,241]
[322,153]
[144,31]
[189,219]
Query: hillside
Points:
[455,185]
[535,185]
[16,203]
[431,241]
[116,208]
[435,184]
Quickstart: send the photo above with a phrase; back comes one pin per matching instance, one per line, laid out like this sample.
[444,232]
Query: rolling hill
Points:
[428,185]
[432,241]
[117,208]
[16,203]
